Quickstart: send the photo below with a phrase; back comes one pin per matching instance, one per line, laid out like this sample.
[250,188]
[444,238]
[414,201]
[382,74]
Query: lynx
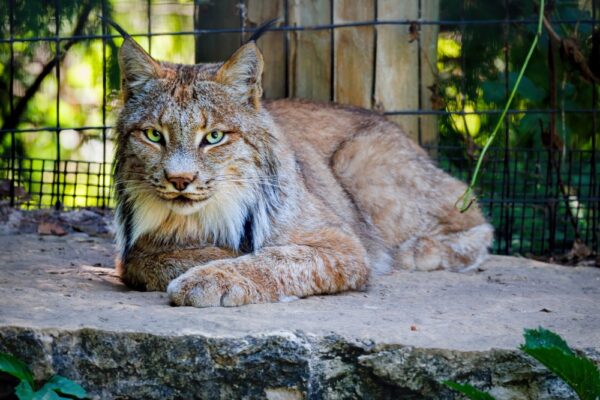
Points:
[224,199]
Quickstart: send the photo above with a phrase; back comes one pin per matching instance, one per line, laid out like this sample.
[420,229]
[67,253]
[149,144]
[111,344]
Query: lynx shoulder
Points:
[225,199]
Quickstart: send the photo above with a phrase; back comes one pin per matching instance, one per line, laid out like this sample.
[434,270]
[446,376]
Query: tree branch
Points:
[571,51]
[11,121]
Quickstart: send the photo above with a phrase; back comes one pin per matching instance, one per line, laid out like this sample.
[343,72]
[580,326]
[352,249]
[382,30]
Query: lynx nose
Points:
[181,180]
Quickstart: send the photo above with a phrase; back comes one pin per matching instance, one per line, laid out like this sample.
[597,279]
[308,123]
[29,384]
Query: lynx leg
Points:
[153,271]
[270,275]
[411,201]
[457,251]
[390,180]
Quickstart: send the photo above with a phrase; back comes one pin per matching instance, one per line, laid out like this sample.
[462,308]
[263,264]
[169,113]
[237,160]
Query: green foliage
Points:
[80,88]
[15,367]
[470,391]
[58,387]
[24,390]
[531,176]
[474,61]
[493,90]
[468,197]
[555,354]
[36,19]
[477,66]
[65,386]
[551,350]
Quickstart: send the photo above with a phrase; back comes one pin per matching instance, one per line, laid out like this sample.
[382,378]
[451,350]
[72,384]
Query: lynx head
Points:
[194,150]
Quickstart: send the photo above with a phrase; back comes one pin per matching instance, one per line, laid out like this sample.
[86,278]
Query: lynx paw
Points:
[212,286]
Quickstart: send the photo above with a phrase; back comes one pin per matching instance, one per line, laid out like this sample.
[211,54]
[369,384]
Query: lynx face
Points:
[193,141]
[194,148]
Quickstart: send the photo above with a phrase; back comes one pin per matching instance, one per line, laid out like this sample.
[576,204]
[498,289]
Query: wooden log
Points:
[354,53]
[397,75]
[271,44]
[310,51]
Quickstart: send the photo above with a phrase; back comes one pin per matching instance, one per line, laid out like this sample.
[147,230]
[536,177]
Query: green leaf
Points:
[495,91]
[527,88]
[15,367]
[551,350]
[544,339]
[469,391]
[46,393]
[24,391]
[66,386]
[530,123]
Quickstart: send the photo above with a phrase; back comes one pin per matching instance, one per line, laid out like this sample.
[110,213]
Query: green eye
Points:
[153,135]
[214,137]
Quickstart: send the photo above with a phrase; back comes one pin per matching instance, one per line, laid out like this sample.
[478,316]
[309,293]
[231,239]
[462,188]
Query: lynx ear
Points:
[137,67]
[243,73]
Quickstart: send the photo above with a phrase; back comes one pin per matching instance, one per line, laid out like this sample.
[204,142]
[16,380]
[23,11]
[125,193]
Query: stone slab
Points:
[63,310]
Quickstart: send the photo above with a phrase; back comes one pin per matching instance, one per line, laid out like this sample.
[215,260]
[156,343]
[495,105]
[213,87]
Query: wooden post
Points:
[310,51]
[220,14]
[430,11]
[271,44]
[397,74]
[354,53]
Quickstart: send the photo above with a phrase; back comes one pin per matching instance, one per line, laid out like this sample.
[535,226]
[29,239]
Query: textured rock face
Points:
[63,311]
[124,365]
[145,366]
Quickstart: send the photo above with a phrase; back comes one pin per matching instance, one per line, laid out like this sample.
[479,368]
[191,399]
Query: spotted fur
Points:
[297,199]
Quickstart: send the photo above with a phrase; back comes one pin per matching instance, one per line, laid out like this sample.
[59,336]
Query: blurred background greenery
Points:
[86,96]
[81,70]
[476,67]
[544,169]
[473,62]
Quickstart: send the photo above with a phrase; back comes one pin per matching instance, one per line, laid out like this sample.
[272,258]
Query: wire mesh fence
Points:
[523,198]
[539,185]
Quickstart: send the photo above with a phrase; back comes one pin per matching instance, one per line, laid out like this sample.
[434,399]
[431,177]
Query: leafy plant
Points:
[468,196]
[551,350]
[580,373]
[483,56]
[470,391]
[477,66]
[58,387]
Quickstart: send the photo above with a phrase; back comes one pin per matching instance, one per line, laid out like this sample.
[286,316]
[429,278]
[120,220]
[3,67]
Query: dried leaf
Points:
[51,228]
[580,250]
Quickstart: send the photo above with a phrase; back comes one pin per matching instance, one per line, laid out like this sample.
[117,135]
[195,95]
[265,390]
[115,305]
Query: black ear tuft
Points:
[261,30]
[117,27]
[137,66]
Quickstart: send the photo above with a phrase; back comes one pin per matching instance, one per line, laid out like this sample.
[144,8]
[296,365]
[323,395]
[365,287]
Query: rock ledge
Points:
[63,311]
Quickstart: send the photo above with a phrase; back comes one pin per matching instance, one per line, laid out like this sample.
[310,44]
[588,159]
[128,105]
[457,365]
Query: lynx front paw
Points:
[213,286]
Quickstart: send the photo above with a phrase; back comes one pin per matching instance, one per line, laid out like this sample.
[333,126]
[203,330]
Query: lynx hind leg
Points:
[377,168]
[457,251]
[411,202]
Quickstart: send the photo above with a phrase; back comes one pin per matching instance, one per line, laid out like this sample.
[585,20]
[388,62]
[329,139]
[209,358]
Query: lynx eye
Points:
[153,135]
[214,137]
